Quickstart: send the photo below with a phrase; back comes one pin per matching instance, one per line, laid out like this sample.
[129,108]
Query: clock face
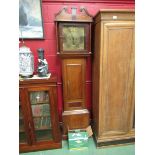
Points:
[73,38]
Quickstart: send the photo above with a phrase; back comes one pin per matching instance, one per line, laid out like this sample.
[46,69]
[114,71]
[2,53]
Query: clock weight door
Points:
[75,115]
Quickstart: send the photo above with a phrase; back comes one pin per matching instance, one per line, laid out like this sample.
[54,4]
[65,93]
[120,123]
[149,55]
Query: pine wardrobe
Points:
[113,77]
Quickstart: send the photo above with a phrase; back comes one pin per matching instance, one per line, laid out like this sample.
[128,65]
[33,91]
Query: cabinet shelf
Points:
[44,128]
[38,103]
[21,130]
[41,116]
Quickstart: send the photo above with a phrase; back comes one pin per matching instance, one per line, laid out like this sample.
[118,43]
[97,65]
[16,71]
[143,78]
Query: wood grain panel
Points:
[117,78]
[74,83]
[75,119]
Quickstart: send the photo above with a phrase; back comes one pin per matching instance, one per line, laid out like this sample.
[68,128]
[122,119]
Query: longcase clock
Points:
[74,46]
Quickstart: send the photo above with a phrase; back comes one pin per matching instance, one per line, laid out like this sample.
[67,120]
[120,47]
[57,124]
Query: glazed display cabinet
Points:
[38,115]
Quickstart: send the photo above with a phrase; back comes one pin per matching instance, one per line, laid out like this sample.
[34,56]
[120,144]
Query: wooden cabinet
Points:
[38,115]
[113,77]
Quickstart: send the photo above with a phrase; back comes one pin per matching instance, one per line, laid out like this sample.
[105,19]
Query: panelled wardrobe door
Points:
[113,77]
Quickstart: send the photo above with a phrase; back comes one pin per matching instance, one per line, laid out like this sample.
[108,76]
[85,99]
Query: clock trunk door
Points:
[74,85]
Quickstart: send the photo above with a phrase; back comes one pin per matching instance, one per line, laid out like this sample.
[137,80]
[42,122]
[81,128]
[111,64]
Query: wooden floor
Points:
[91,150]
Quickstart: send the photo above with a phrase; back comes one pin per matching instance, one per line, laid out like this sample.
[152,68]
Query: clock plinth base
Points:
[75,119]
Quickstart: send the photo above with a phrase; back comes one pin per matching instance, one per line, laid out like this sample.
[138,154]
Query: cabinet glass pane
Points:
[41,110]
[39,97]
[44,135]
[22,135]
[41,115]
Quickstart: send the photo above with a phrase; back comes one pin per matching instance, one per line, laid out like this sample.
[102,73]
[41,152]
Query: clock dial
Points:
[73,38]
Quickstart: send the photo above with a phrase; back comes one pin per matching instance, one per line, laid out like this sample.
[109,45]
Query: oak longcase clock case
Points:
[73,47]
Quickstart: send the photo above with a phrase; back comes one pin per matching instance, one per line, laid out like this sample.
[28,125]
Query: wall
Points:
[49,9]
